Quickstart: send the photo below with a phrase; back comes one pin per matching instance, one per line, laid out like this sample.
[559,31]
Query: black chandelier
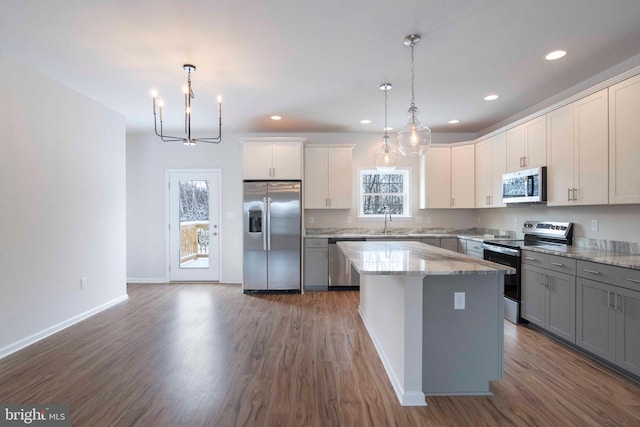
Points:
[188,96]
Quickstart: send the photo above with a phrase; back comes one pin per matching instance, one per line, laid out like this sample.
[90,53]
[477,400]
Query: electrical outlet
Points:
[83,283]
[349,219]
[594,225]
[310,220]
[458,301]
[419,220]
[428,220]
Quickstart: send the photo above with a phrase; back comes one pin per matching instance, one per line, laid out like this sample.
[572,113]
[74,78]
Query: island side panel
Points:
[462,349]
[391,308]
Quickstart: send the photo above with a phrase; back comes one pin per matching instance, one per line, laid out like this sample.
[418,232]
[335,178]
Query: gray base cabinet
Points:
[316,264]
[608,313]
[548,295]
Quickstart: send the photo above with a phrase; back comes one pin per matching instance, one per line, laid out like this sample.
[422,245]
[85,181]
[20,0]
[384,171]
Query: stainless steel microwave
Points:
[525,186]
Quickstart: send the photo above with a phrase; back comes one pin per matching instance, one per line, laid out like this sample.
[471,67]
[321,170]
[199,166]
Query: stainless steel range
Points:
[508,252]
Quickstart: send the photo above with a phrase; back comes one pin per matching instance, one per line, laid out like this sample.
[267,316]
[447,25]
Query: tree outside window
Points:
[380,189]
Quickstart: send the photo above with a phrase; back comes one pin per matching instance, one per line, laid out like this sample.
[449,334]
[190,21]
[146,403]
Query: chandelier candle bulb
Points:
[188,96]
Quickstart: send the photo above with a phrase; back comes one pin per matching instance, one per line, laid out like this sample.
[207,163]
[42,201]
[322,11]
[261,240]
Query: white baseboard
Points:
[25,342]
[147,280]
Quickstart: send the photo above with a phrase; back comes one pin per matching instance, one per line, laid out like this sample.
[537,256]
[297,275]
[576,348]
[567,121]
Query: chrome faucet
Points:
[387,214]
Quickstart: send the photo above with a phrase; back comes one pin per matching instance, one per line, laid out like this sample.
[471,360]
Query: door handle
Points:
[264,226]
[268,223]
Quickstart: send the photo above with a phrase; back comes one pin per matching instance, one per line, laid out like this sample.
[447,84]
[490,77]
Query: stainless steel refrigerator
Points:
[272,236]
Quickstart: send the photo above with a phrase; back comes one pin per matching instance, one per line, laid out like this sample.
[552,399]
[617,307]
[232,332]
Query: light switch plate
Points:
[458,301]
[594,225]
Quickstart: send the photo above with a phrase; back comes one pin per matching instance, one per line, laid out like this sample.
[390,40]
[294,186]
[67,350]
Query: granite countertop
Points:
[414,259]
[619,259]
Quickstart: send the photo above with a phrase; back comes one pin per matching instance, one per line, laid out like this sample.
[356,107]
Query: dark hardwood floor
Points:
[194,354]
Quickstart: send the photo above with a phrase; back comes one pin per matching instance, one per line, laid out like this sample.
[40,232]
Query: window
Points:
[384,188]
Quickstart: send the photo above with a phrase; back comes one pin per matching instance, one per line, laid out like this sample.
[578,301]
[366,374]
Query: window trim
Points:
[406,171]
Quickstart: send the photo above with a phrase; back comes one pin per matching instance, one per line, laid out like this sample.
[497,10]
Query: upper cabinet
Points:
[527,145]
[624,141]
[447,177]
[491,163]
[577,136]
[463,176]
[272,158]
[328,177]
[435,178]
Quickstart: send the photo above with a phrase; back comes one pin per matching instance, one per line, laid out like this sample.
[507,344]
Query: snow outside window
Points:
[384,188]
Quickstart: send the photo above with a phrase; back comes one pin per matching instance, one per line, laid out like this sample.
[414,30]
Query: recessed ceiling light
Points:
[453,122]
[365,121]
[276,118]
[491,97]
[388,128]
[556,54]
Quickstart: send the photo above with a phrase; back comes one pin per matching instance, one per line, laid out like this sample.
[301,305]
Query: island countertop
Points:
[406,258]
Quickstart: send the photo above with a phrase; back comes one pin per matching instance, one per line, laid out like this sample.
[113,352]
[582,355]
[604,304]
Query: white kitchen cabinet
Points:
[272,158]
[463,176]
[447,177]
[577,152]
[328,177]
[624,137]
[491,163]
[527,145]
[435,178]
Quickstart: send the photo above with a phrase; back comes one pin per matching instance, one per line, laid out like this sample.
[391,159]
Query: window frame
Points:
[406,194]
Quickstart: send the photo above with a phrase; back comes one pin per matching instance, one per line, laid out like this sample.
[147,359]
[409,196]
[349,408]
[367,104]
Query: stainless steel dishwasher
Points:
[341,274]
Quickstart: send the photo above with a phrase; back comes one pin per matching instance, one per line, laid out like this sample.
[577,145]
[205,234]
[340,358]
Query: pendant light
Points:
[414,138]
[386,158]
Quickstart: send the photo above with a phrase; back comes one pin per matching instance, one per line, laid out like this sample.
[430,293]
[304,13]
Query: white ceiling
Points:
[318,63]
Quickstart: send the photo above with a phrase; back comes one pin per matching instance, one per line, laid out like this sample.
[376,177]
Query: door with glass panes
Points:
[194,232]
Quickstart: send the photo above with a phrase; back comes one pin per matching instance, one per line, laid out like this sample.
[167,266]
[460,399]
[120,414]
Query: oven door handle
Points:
[501,250]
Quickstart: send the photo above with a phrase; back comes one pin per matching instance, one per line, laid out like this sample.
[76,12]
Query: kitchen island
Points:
[435,317]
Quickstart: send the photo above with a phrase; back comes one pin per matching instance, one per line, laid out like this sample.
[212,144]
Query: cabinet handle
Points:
[491,200]
[329,201]
[609,303]
[486,200]
[633,280]
[591,271]
[530,258]
[618,306]
[557,264]
[575,191]
[453,201]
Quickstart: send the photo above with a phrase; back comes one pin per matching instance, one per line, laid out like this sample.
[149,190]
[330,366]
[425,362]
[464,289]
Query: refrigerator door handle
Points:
[264,226]
[268,223]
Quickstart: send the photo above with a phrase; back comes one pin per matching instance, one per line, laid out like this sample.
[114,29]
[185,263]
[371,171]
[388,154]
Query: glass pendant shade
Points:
[414,138]
[386,158]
